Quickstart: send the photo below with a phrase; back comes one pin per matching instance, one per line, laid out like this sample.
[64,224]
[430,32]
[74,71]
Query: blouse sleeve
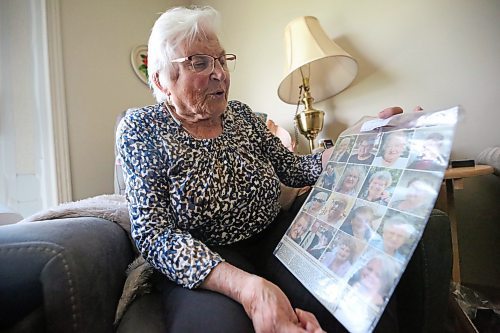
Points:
[182,258]
[292,170]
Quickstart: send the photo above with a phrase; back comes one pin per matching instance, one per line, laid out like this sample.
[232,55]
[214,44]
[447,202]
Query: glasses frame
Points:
[232,57]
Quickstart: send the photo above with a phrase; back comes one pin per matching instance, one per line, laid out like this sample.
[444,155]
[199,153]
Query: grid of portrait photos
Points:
[361,222]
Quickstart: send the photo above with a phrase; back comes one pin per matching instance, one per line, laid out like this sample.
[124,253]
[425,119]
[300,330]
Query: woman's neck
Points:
[209,128]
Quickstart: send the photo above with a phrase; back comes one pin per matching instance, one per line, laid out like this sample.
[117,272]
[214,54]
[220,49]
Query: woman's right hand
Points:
[271,311]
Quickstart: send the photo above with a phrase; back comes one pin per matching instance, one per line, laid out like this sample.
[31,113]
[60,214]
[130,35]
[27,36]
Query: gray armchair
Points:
[62,275]
[67,275]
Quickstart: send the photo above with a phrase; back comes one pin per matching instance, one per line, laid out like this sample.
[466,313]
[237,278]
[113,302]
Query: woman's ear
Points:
[156,81]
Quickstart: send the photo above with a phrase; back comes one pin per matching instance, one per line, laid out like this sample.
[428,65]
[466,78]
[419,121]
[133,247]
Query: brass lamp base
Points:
[310,123]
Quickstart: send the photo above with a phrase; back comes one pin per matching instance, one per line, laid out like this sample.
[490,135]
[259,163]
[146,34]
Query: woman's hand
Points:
[270,309]
[308,321]
[265,303]
[389,112]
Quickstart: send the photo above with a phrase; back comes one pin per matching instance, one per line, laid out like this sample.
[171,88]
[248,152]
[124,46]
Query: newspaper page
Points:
[360,224]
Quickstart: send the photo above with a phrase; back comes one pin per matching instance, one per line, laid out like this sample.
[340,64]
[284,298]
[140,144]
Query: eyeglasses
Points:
[204,63]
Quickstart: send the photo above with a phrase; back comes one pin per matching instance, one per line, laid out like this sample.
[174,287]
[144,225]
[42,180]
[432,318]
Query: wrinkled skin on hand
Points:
[271,311]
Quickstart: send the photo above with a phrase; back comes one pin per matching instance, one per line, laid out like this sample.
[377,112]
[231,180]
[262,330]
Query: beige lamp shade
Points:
[329,68]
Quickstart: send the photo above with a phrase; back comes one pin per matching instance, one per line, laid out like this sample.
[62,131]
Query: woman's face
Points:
[350,181]
[344,252]
[361,221]
[394,237]
[200,96]
[394,148]
[371,275]
[417,193]
[376,188]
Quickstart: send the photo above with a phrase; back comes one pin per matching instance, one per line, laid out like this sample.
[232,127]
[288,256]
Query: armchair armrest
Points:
[63,275]
[424,288]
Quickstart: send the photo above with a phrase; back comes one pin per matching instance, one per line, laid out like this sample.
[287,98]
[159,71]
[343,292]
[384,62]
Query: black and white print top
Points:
[186,193]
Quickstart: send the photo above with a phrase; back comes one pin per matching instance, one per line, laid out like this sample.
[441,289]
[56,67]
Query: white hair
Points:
[400,222]
[176,27]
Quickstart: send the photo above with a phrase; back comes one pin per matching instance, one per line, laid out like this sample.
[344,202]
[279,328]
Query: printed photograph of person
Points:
[430,151]
[396,235]
[363,152]
[354,312]
[361,222]
[341,256]
[319,245]
[336,209]
[342,149]
[371,285]
[352,179]
[379,185]
[332,172]
[316,202]
[393,152]
[375,279]
[416,193]
[298,230]
[311,237]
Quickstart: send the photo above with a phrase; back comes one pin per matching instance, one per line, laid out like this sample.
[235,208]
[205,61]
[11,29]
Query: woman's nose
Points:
[218,73]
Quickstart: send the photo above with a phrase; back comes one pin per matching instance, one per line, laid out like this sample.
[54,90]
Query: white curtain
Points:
[28,159]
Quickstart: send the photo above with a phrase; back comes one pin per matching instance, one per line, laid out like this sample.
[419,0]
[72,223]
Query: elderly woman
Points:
[203,180]
[396,232]
[393,147]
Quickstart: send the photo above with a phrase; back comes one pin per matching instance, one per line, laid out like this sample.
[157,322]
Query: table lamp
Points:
[313,60]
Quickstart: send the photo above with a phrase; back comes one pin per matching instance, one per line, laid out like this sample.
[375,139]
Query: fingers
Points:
[308,321]
[389,112]
[393,110]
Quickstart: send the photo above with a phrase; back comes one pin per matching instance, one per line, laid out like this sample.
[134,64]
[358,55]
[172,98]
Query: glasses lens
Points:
[228,62]
[205,63]
[201,62]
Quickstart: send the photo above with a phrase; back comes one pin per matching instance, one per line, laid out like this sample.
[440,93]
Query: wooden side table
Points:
[453,180]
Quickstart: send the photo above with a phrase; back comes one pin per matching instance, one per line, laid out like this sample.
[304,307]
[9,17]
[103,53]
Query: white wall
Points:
[433,53]
[97,38]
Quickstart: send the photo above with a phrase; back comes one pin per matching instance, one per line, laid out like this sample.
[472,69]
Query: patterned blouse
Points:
[186,193]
